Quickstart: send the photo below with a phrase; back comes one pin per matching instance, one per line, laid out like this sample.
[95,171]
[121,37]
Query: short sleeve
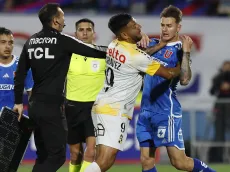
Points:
[144,63]
[29,81]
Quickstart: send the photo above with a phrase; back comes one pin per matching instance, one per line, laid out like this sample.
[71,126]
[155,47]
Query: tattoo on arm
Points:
[186,73]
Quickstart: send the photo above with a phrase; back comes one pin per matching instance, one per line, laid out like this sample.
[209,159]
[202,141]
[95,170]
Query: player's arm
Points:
[29,83]
[153,49]
[153,46]
[20,75]
[143,62]
[168,73]
[73,45]
[186,73]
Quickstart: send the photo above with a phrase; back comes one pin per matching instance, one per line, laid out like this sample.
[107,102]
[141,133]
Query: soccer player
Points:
[159,122]
[113,108]
[8,65]
[85,79]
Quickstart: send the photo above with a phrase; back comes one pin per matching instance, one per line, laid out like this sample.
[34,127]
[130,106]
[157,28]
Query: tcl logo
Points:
[115,54]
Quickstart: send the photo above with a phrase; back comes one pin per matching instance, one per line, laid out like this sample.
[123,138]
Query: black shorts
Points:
[79,121]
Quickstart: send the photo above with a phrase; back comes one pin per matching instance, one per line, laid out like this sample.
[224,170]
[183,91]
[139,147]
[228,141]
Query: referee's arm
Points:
[20,75]
[76,46]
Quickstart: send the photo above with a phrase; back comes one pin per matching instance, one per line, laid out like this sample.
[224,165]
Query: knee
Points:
[75,154]
[147,161]
[106,160]
[180,163]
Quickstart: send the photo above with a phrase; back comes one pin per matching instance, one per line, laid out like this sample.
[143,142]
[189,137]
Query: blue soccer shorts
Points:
[162,129]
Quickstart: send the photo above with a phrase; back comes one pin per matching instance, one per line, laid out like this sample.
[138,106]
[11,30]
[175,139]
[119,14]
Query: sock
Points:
[84,165]
[74,168]
[93,167]
[151,170]
[201,166]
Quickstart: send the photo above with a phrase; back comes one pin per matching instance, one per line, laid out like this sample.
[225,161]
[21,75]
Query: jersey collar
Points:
[9,64]
[127,44]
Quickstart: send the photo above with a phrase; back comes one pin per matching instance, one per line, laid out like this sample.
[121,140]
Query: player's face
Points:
[59,20]
[85,32]
[133,31]
[6,45]
[169,29]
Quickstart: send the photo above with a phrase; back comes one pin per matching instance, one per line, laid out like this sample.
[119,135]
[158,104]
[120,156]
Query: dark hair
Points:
[172,11]
[118,21]
[84,20]
[5,31]
[47,12]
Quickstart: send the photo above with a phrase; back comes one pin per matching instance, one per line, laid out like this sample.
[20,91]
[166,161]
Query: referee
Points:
[48,54]
[85,79]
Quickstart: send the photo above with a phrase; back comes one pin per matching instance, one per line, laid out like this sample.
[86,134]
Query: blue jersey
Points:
[7,83]
[159,94]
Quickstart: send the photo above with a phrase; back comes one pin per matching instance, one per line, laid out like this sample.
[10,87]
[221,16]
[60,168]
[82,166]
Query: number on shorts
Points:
[109,78]
[123,127]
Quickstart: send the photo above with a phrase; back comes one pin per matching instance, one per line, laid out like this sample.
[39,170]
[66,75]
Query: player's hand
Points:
[186,43]
[144,42]
[19,109]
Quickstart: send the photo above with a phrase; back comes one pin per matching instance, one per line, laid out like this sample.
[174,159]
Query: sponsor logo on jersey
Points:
[45,40]
[114,53]
[6,86]
[6,75]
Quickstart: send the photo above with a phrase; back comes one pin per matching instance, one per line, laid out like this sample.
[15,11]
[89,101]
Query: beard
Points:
[137,38]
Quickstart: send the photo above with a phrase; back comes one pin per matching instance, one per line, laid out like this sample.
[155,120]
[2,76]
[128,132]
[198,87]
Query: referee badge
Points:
[95,65]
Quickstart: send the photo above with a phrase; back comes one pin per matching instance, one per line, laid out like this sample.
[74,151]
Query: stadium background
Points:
[206,21]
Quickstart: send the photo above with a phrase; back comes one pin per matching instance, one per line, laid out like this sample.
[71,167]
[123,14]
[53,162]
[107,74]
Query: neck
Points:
[6,60]
[126,40]
[175,38]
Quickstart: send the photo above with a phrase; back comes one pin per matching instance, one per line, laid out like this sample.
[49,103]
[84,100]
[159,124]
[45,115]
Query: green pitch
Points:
[134,168]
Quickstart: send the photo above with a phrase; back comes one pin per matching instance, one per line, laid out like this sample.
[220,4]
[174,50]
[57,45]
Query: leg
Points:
[181,162]
[175,149]
[50,136]
[144,135]
[89,134]
[89,155]
[111,132]
[79,126]
[106,157]
[148,156]
[76,153]
[76,156]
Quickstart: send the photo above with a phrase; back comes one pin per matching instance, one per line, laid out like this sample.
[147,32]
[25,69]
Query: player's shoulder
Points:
[154,41]
[15,60]
[176,45]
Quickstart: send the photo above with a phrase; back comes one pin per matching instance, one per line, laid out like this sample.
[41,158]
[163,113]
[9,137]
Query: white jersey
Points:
[124,62]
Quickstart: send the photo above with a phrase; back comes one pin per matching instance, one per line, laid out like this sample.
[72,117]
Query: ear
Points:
[178,28]
[124,35]
[94,35]
[75,33]
[54,21]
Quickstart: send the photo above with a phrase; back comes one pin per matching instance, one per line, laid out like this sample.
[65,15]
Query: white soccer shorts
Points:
[110,130]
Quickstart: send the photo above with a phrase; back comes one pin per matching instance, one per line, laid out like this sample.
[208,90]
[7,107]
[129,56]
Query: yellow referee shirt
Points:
[85,78]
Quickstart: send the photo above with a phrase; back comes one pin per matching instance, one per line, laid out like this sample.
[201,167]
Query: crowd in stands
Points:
[151,7]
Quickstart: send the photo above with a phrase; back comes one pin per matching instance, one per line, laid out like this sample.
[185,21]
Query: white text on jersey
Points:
[6,86]
[39,53]
[45,40]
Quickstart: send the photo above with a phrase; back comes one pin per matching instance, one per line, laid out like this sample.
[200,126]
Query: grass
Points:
[135,168]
